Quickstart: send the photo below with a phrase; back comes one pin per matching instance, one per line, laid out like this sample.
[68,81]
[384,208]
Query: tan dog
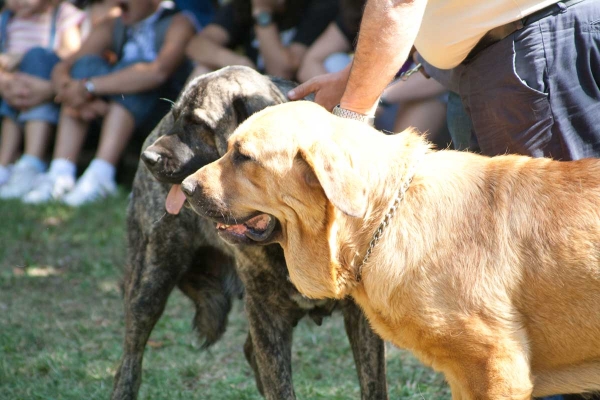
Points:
[489,271]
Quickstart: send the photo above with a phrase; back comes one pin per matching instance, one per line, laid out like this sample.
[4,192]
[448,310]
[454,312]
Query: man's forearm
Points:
[387,33]
[137,78]
[212,55]
[279,60]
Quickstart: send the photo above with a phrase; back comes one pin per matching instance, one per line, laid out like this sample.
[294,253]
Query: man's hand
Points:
[10,62]
[74,94]
[328,88]
[60,77]
[24,91]
[5,78]
[93,109]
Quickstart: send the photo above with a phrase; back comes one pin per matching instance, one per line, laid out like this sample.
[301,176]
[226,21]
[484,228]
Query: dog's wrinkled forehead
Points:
[266,136]
[228,95]
[203,99]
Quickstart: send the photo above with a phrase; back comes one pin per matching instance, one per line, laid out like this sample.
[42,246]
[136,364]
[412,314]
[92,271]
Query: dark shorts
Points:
[140,105]
[537,92]
[37,62]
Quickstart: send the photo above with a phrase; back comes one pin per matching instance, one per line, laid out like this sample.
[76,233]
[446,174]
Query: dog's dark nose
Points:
[151,158]
[188,187]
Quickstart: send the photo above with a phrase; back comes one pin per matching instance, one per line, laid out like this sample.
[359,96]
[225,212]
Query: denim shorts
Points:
[140,105]
[537,92]
[37,62]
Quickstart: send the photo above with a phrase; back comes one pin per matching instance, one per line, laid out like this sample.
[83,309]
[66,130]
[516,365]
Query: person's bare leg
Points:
[30,166]
[37,137]
[60,177]
[98,180]
[70,136]
[10,141]
[117,128]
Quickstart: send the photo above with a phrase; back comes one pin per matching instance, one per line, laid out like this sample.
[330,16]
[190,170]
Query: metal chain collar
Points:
[406,74]
[388,217]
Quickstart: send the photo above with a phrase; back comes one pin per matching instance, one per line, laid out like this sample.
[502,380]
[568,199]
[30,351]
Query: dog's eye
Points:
[239,158]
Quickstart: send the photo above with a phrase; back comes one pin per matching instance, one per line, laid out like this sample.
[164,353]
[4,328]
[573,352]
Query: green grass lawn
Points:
[61,323]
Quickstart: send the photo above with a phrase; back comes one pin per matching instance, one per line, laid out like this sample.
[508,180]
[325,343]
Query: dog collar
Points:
[390,214]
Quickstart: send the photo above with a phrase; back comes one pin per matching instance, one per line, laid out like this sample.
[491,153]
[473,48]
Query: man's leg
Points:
[98,180]
[10,141]
[37,137]
[10,145]
[60,178]
[40,119]
[117,129]
[71,134]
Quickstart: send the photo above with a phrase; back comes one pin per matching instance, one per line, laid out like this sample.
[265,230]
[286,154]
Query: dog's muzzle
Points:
[257,228]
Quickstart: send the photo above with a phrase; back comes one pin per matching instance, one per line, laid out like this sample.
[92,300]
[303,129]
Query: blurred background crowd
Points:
[99,74]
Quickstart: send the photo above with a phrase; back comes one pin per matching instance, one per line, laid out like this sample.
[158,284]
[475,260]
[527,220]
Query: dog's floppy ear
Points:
[246,105]
[342,184]
[240,109]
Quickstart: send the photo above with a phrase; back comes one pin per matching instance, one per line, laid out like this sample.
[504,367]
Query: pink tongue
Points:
[175,200]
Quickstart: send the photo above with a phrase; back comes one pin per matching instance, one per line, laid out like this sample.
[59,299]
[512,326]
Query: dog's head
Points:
[204,117]
[288,178]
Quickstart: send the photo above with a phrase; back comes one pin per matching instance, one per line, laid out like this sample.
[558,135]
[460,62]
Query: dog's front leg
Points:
[369,353]
[271,348]
[147,288]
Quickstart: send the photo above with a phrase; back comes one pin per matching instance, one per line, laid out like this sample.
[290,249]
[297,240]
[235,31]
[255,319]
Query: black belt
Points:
[499,33]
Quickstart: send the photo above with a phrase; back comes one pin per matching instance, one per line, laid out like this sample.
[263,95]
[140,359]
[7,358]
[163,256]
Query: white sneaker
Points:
[49,187]
[5,172]
[88,189]
[21,181]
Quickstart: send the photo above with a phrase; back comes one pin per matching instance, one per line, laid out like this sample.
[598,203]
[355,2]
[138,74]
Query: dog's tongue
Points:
[175,200]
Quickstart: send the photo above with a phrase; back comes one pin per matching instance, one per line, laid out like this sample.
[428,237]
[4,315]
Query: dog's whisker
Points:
[168,101]
[158,220]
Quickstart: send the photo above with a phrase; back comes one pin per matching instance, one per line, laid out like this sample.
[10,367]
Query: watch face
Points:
[89,86]
[263,18]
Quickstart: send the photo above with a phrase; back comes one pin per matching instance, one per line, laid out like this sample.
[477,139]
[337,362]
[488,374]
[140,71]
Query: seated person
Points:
[331,51]
[274,35]
[96,12]
[34,36]
[201,12]
[149,40]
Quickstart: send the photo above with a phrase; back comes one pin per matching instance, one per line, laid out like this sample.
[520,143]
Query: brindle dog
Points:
[181,249]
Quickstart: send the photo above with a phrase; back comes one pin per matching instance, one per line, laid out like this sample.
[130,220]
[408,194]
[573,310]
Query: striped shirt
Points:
[22,34]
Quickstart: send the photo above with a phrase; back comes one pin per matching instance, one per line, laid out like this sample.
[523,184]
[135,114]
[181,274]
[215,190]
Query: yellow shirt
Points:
[451,28]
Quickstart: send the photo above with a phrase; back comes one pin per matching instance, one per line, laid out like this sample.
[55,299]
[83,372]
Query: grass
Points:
[61,323]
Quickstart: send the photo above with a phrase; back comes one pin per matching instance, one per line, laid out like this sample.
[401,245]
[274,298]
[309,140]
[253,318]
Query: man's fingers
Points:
[303,90]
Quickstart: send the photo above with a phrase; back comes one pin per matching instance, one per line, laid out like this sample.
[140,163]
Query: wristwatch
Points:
[89,86]
[348,114]
[263,18]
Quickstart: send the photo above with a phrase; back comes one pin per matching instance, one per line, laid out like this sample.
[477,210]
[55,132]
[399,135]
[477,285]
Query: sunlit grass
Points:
[61,323]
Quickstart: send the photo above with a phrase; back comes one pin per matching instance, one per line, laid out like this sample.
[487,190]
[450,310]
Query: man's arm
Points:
[146,76]
[284,60]
[279,60]
[98,40]
[70,42]
[209,49]
[387,33]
